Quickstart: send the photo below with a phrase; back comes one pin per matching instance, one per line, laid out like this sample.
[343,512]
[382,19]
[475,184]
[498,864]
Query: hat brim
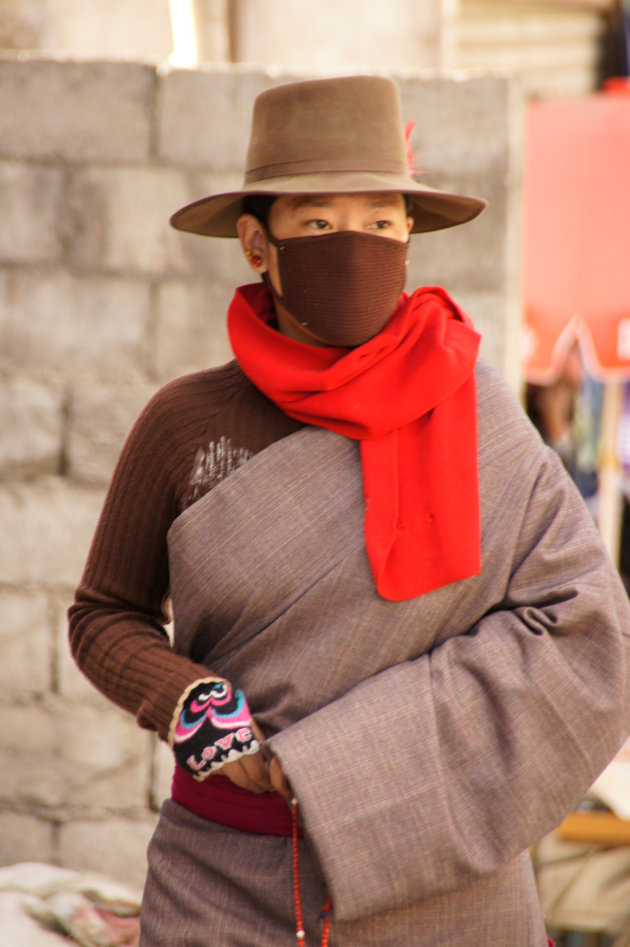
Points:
[431,209]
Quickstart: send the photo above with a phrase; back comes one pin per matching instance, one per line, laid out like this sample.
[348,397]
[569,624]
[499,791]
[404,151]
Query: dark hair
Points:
[259,205]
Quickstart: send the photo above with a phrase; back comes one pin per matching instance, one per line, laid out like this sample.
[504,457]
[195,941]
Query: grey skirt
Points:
[211,886]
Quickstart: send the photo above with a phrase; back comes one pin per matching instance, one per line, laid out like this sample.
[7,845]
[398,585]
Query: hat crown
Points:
[304,128]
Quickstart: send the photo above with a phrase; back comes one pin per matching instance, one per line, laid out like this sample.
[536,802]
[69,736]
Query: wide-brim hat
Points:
[328,136]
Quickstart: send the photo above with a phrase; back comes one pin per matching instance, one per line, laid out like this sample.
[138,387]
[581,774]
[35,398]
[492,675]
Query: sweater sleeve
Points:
[117,620]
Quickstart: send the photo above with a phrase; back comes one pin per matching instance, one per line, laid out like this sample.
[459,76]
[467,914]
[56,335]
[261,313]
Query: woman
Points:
[400,651]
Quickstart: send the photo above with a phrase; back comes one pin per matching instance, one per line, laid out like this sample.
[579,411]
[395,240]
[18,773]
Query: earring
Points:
[253,258]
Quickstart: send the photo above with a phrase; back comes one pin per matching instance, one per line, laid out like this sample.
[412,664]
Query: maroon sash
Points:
[219,800]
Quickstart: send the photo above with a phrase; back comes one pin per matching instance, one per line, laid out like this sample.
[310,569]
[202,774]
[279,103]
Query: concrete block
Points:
[113,846]
[204,116]
[470,256]
[56,754]
[75,111]
[30,196]
[30,427]
[25,838]
[53,320]
[25,643]
[45,532]
[105,762]
[219,258]
[461,124]
[100,418]
[118,219]
[191,329]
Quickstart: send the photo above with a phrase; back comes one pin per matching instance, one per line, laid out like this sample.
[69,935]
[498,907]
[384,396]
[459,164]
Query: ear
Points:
[254,242]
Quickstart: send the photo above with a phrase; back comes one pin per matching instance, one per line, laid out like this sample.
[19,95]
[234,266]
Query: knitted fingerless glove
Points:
[211,726]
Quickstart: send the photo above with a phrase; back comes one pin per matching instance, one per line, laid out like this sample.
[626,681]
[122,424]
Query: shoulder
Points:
[210,388]
[491,385]
[154,464]
[168,428]
[503,426]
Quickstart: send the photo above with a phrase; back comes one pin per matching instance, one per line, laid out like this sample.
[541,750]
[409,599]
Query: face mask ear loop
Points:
[277,298]
[268,234]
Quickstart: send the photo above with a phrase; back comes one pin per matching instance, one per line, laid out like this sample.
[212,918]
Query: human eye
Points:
[317,224]
[381,225]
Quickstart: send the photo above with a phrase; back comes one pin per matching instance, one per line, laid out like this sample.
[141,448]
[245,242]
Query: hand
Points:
[249,772]
[255,773]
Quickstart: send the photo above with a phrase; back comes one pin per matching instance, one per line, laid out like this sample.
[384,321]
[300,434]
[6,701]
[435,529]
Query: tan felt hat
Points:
[328,136]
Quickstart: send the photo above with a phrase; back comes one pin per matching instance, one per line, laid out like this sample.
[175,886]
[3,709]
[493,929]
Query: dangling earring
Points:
[253,258]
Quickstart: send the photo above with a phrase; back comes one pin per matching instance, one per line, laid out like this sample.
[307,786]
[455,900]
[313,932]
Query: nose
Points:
[350,220]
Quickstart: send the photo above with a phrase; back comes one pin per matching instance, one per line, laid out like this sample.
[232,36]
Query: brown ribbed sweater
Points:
[191,434]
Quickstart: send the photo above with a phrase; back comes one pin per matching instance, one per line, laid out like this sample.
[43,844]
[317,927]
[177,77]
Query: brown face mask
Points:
[341,288]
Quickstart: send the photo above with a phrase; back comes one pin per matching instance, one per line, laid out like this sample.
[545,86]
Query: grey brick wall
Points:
[101,302]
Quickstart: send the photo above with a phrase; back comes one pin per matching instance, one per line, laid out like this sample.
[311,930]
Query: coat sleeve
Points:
[438,771]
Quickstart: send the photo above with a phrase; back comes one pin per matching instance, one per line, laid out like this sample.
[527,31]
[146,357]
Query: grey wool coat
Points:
[429,742]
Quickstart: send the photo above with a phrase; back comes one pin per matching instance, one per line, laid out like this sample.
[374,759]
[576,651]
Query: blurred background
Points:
[114,114]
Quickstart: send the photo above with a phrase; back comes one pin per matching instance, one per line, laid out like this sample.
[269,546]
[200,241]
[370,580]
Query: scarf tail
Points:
[422,521]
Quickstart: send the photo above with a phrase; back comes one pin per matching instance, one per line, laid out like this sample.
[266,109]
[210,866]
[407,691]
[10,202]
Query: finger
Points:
[278,780]
[257,771]
[237,773]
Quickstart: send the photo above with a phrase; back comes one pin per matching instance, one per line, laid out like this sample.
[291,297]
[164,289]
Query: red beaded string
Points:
[326,914]
[300,933]
[299,925]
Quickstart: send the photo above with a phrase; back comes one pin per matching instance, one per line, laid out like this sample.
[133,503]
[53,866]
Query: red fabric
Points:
[409,397]
[219,800]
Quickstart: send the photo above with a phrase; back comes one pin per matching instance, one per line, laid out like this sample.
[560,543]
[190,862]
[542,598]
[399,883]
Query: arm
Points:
[440,770]
[117,632]
[116,623]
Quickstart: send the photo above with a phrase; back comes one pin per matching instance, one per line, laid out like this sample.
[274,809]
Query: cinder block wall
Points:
[100,302]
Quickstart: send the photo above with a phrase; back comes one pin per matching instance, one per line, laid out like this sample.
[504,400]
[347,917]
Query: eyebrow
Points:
[388,200]
[309,200]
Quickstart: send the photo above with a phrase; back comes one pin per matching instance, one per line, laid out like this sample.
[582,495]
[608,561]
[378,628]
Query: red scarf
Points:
[409,397]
